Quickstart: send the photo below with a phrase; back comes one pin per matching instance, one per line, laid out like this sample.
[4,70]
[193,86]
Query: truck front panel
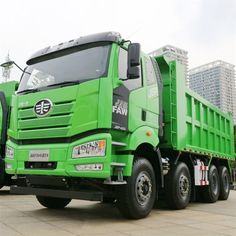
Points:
[68,116]
[59,159]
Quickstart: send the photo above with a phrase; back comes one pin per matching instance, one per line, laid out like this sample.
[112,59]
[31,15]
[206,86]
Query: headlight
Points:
[90,149]
[9,152]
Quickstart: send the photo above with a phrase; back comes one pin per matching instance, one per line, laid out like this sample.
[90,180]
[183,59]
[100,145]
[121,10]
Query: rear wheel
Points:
[224,183]
[136,198]
[211,192]
[53,202]
[178,187]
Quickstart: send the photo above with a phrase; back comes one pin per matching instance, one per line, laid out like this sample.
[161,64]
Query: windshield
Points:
[86,64]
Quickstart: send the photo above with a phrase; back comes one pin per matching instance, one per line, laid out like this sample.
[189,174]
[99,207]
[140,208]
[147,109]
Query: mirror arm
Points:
[18,67]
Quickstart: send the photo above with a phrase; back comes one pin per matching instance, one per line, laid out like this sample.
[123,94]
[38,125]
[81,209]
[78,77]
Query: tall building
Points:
[174,53]
[215,82]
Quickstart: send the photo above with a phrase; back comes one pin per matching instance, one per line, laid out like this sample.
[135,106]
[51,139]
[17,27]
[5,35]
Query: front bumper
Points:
[82,195]
[61,154]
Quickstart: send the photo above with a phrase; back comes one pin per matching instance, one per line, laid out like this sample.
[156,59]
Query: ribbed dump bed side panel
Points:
[191,123]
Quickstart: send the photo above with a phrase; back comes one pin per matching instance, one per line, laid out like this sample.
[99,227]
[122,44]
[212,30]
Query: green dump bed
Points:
[192,124]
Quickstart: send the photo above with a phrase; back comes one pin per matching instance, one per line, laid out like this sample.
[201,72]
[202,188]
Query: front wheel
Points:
[136,198]
[2,173]
[53,202]
[178,187]
[108,200]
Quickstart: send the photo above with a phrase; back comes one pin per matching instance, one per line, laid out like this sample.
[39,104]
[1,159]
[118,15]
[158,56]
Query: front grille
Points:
[56,124]
[41,165]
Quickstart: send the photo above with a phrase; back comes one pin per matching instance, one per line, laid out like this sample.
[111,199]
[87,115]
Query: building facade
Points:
[215,82]
[174,53]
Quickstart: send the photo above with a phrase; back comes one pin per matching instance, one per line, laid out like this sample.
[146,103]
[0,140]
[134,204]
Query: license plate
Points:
[39,155]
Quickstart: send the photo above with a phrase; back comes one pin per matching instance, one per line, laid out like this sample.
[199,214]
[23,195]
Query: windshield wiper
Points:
[64,83]
[28,91]
[61,84]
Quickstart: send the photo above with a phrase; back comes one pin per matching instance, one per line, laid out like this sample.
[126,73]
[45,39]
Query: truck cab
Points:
[82,110]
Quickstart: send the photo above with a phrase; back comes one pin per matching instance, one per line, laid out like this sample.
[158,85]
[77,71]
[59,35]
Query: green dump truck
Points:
[6,92]
[97,119]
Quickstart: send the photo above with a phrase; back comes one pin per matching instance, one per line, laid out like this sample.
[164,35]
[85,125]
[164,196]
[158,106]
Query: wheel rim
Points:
[143,188]
[184,185]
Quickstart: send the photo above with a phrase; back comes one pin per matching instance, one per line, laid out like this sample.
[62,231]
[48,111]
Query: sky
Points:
[205,28]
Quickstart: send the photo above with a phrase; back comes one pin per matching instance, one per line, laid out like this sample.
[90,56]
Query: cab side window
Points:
[150,72]
[131,84]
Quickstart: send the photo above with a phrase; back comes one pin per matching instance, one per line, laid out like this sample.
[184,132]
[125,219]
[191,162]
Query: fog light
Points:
[8,166]
[89,167]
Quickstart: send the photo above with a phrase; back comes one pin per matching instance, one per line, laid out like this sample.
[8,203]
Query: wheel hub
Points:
[143,188]
[184,185]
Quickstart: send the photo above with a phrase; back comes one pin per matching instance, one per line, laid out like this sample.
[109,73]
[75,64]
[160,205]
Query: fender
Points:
[142,135]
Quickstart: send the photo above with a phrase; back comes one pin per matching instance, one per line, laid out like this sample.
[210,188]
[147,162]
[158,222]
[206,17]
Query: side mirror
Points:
[133,61]
[9,64]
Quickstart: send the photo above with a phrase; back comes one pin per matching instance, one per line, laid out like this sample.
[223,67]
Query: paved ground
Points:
[22,215]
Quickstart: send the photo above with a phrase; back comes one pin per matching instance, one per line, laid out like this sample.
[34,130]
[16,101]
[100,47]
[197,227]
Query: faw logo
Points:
[120,107]
[43,107]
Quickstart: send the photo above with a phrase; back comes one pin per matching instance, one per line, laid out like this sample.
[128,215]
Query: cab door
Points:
[153,112]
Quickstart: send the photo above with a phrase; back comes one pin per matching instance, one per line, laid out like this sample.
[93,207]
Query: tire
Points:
[135,200]
[211,192]
[108,200]
[224,183]
[178,187]
[2,173]
[53,202]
